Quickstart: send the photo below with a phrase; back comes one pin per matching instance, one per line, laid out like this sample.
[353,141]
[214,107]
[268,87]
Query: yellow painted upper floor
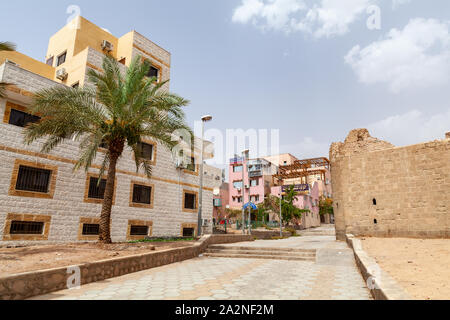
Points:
[70,49]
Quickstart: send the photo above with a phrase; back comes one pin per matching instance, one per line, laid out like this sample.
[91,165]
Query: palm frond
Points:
[7,46]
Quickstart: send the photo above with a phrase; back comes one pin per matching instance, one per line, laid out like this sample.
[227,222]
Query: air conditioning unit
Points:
[61,74]
[205,222]
[107,46]
[181,163]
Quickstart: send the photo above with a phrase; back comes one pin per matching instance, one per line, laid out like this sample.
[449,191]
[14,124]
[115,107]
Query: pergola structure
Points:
[302,169]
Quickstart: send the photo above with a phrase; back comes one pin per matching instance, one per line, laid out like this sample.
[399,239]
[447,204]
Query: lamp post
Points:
[244,157]
[200,206]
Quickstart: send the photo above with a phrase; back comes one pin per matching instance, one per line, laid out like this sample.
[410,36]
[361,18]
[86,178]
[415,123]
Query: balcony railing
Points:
[255,173]
[297,188]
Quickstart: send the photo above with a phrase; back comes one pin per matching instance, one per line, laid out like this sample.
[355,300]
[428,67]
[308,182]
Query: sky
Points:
[312,69]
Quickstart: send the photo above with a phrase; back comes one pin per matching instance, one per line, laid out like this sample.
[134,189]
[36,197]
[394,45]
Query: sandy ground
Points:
[422,267]
[18,260]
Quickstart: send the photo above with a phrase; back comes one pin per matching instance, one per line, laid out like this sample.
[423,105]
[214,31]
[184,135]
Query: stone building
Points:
[387,191]
[42,199]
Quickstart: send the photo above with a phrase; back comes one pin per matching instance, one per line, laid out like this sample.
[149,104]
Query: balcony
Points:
[255,173]
[297,188]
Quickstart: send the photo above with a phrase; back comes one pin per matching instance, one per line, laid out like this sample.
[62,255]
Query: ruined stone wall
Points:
[387,191]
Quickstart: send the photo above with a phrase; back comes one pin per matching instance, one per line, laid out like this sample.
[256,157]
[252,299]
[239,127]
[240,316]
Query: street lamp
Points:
[244,157]
[200,206]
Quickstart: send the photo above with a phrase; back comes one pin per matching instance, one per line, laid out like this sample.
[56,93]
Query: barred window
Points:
[139,231]
[188,232]
[26,227]
[189,201]
[142,194]
[33,179]
[91,229]
[96,191]
[22,119]
[146,151]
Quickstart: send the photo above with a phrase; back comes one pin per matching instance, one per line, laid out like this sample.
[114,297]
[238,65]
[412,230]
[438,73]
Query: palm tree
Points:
[5,46]
[118,110]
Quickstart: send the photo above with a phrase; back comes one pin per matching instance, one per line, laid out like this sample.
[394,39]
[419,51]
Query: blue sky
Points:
[292,65]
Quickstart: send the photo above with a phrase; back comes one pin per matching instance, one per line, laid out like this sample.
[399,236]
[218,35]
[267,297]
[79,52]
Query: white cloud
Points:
[417,56]
[307,148]
[326,19]
[332,17]
[276,14]
[398,3]
[411,128]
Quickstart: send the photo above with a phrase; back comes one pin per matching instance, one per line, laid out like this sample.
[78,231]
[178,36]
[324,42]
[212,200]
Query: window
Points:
[139,230]
[91,229]
[254,182]
[33,179]
[146,150]
[237,168]
[61,59]
[190,201]
[237,199]
[96,191]
[374,201]
[237,184]
[50,61]
[217,203]
[188,232]
[76,85]
[254,198]
[191,166]
[123,60]
[153,72]
[21,119]
[26,227]
[142,194]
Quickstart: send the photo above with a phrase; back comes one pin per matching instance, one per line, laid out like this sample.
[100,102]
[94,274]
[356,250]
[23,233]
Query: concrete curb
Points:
[29,284]
[381,285]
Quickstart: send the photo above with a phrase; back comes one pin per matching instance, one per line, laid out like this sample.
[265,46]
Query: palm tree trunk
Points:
[105,218]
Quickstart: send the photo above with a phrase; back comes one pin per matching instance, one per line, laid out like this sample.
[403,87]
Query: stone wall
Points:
[386,191]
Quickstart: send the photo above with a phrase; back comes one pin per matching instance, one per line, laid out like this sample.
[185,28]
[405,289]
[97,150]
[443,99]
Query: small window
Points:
[191,166]
[254,182]
[21,119]
[237,168]
[91,229]
[375,221]
[142,194]
[139,230]
[33,179]
[76,85]
[96,191]
[61,59]
[26,227]
[237,184]
[50,61]
[153,72]
[190,201]
[123,60]
[374,201]
[188,232]
[146,150]
[217,203]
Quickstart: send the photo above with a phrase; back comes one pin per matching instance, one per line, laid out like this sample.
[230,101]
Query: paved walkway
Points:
[334,275]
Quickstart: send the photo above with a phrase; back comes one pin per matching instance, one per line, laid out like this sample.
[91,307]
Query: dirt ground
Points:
[18,260]
[419,266]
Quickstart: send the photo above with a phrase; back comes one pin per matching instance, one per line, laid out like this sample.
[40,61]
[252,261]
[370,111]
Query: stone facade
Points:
[66,204]
[386,191]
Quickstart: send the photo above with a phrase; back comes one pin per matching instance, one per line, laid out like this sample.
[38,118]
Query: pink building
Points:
[253,178]
[221,198]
